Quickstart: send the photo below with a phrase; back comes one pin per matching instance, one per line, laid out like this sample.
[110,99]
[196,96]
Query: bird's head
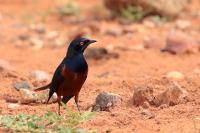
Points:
[78,46]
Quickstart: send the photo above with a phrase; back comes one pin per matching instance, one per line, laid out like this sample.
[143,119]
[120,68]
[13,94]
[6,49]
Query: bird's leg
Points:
[76,101]
[58,100]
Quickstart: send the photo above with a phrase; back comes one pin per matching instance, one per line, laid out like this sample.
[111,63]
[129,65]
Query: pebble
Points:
[105,100]
[24,37]
[149,24]
[4,65]
[13,105]
[183,24]
[39,28]
[36,43]
[147,113]
[100,53]
[21,85]
[179,43]
[39,75]
[28,96]
[137,47]
[176,75]
[153,42]
[59,42]
[52,34]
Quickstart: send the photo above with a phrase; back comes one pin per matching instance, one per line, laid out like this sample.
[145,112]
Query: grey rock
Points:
[21,85]
[99,53]
[106,100]
[39,75]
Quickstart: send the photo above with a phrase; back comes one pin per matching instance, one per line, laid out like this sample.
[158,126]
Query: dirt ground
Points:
[133,67]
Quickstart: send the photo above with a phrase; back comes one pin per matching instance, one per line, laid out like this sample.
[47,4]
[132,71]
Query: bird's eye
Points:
[81,43]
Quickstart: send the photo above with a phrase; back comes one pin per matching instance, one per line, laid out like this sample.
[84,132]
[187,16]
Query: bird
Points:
[71,73]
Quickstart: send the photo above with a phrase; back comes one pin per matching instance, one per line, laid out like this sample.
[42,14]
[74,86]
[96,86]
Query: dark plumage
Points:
[71,74]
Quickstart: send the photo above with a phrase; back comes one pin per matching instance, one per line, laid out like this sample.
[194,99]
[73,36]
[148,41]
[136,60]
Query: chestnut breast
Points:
[73,79]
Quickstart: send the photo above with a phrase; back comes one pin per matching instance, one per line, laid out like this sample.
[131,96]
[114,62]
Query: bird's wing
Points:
[56,80]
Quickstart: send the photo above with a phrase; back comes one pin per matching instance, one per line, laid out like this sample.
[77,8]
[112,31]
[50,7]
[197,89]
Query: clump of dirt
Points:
[172,95]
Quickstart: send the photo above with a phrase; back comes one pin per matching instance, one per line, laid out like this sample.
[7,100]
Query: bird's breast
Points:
[77,64]
[72,83]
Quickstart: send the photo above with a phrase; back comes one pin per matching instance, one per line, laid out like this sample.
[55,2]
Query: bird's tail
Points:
[43,87]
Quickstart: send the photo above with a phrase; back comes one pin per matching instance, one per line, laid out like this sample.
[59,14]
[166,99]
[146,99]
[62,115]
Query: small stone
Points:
[175,75]
[173,95]
[197,71]
[40,75]
[183,24]
[113,31]
[21,85]
[149,24]
[96,53]
[22,44]
[52,34]
[179,43]
[153,42]
[4,65]
[24,37]
[106,100]
[99,53]
[36,43]
[59,42]
[40,29]
[110,47]
[142,94]
[13,105]
[147,113]
[28,96]
[138,47]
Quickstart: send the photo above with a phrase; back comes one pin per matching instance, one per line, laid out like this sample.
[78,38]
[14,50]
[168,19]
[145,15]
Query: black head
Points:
[78,46]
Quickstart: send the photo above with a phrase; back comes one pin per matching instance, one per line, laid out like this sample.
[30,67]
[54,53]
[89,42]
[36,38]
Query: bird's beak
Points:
[87,44]
[92,41]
